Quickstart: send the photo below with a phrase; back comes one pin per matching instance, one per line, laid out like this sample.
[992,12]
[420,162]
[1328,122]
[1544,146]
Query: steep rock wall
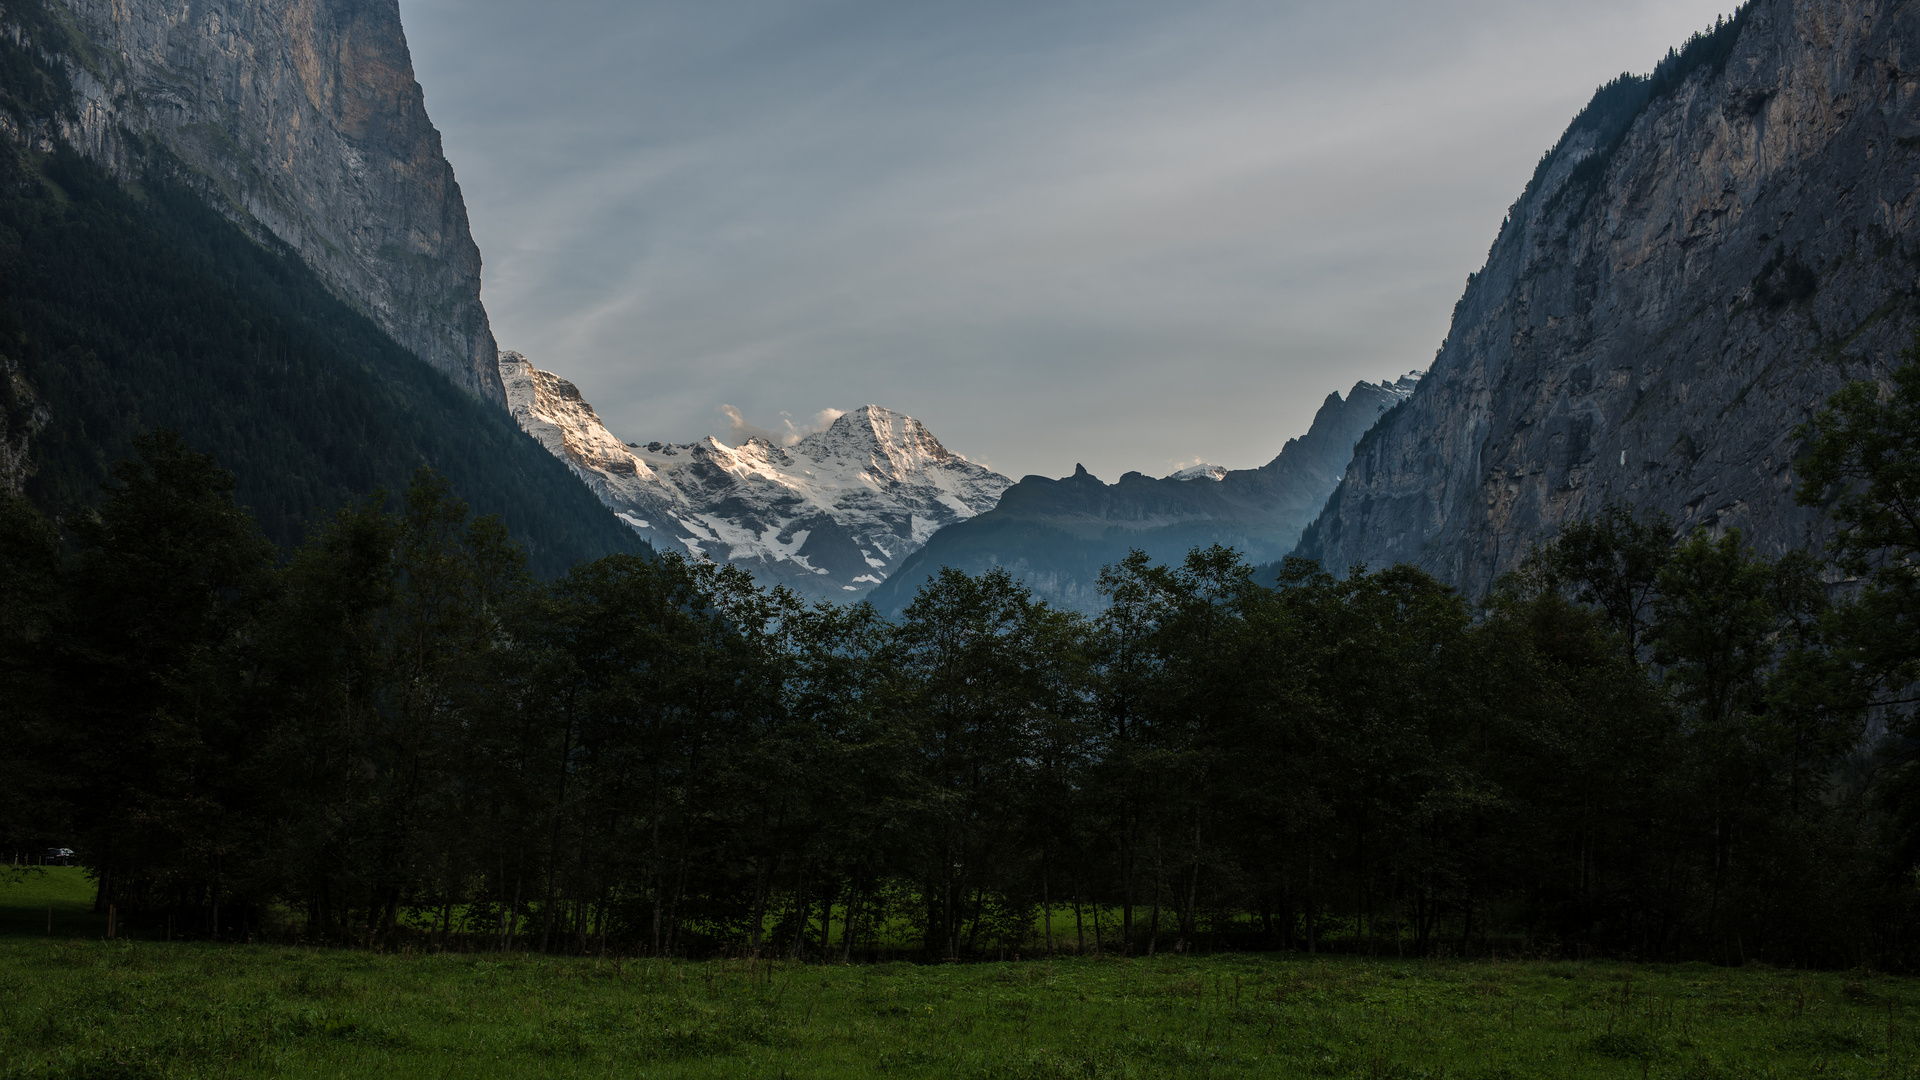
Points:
[1660,311]
[303,120]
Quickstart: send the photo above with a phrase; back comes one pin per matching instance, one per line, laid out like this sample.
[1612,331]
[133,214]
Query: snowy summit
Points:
[1200,472]
[830,516]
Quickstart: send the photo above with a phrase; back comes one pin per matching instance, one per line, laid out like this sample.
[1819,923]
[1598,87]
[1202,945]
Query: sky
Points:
[1124,234]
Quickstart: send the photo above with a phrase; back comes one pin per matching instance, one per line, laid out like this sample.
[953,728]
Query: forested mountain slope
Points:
[136,305]
[1701,260]
[1056,535]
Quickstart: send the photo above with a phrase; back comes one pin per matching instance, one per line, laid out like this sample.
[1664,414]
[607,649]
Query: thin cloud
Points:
[740,429]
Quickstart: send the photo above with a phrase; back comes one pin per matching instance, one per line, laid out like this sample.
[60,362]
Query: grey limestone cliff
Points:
[302,120]
[1700,262]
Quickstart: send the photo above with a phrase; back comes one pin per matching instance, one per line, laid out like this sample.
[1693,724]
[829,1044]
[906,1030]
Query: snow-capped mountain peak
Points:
[831,515]
[1200,472]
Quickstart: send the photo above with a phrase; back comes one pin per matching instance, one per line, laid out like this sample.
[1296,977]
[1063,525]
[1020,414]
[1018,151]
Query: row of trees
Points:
[394,735]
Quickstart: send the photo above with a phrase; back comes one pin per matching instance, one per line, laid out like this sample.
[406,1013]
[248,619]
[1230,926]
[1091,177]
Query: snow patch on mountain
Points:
[831,515]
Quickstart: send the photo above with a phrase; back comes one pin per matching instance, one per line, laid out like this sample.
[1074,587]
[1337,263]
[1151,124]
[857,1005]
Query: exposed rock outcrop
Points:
[1699,263]
[22,415]
[830,516]
[304,122]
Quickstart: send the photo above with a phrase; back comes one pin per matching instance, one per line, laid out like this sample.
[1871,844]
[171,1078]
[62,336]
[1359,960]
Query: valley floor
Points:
[82,1006]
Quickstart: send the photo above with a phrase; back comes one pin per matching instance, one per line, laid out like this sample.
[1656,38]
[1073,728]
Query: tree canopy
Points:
[1640,743]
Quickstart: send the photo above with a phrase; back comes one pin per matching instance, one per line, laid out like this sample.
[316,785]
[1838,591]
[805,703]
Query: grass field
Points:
[32,899]
[80,1007]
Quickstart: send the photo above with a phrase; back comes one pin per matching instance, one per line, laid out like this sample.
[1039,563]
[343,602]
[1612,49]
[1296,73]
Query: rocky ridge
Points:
[830,516]
[1687,278]
[301,121]
[1055,535]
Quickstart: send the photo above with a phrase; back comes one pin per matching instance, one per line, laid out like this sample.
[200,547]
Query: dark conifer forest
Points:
[1638,745]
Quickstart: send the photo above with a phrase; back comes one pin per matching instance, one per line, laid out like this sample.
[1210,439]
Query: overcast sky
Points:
[1129,234]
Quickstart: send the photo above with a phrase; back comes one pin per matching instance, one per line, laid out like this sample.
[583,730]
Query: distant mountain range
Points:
[237,221]
[294,287]
[1055,535]
[830,516]
[875,504]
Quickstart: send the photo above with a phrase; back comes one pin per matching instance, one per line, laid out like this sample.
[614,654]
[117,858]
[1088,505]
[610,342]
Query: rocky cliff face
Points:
[22,415]
[830,516]
[1699,263]
[302,120]
[1056,535]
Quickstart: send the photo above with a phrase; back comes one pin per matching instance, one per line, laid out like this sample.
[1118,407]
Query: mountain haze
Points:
[1055,535]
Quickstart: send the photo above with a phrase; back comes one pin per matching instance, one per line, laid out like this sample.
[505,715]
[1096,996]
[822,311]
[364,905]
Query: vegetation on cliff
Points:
[1615,105]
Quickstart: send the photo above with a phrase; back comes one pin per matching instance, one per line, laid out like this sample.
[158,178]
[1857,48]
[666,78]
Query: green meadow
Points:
[76,1005]
[36,901]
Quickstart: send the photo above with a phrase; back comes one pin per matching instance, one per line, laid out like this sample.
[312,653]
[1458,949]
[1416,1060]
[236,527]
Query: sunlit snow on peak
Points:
[1201,471]
[828,508]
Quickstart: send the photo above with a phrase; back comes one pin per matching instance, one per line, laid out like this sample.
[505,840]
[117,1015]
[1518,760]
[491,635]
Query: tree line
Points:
[1640,743]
